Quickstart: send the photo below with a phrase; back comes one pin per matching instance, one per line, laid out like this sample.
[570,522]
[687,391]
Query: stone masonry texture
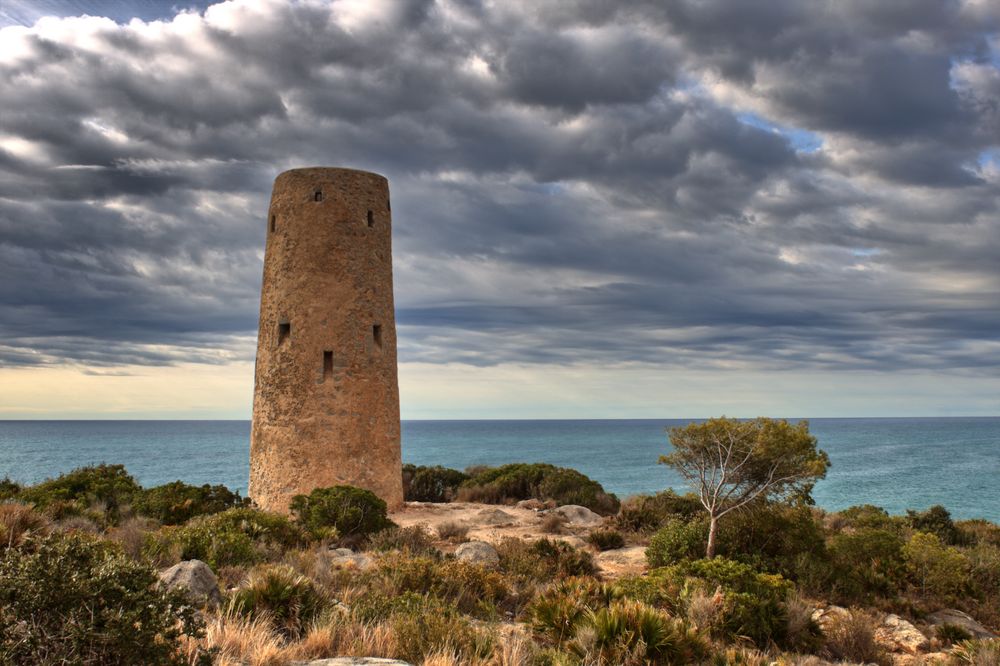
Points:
[326,394]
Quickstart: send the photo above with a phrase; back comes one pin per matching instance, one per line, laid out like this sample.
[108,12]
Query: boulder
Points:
[578,515]
[196,579]
[345,558]
[494,518]
[352,661]
[898,635]
[959,619]
[478,552]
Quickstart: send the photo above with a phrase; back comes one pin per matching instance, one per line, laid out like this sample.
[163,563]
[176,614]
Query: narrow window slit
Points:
[284,331]
[371,219]
[377,336]
[274,223]
[388,205]
[327,365]
[318,196]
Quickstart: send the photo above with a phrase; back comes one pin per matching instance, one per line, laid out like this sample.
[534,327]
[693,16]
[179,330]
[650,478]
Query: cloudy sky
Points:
[782,207]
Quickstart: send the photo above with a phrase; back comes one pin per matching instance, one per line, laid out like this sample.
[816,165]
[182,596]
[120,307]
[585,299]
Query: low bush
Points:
[647,513]
[237,537]
[557,612]
[983,652]
[415,540]
[431,484]
[754,603]
[632,632]
[868,516]
[107,485]
[677,540]
[18,522]
[772,537]
[520,481]
[553,523]
[177,502]
[937,521]
[286,599]
[606,539]
[865,563]
[936,569]
[543,560]
[75,599]
[453,531]
[851,638]
[952,633]
[352,512]
[9,489]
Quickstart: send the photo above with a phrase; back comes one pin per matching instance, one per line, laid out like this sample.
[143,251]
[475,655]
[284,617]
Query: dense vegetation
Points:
[78,556]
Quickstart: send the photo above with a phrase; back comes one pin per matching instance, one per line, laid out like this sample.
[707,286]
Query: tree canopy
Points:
[731,463]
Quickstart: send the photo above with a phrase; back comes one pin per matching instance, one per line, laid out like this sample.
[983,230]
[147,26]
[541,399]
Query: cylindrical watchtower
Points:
[326,395]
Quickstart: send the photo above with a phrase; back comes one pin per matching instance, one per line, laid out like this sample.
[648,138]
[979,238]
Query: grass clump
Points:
[431,484]
[415,540]
[177,502]
[606,539]
[288,600]
[344,511]
[76,599]
[521,481]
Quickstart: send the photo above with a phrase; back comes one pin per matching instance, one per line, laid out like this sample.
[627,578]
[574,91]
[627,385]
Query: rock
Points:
[825,617]
[352,661]
[345,558]
[959,619]
[478,552]
[196,579]
[494,518]
[898,635]
[578,515]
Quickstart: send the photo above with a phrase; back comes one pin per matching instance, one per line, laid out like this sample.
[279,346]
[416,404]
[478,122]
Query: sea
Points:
[895,463]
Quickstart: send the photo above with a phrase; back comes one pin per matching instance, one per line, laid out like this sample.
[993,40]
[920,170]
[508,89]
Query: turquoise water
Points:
[895,463]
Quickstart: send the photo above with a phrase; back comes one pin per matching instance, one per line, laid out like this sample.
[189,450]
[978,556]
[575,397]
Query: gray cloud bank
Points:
[780,184]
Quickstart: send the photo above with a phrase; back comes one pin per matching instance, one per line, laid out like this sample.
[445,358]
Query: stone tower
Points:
[326,396]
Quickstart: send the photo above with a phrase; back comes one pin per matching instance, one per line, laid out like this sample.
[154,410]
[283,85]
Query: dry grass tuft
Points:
[18,521]
[553,523]
[453,531]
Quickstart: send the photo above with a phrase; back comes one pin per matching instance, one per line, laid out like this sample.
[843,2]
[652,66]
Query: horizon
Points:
[610,211]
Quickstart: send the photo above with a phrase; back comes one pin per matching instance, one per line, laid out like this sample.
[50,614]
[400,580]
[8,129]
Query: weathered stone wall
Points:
[326,396]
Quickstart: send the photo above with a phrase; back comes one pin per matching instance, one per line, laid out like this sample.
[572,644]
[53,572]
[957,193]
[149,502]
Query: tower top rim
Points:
[327,171]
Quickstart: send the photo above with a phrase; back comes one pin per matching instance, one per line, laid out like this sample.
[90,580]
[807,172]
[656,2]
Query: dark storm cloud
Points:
[571,182]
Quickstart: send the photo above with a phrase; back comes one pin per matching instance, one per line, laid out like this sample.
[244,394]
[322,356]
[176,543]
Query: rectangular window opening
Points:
[371,219]
[284,330]
[327,365]
[377,335]
[318,196]
[274,223]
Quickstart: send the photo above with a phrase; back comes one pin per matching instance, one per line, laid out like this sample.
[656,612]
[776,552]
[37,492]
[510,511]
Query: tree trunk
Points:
[713,525]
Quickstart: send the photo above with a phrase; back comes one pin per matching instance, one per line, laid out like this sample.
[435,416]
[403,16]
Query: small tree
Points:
[730,463]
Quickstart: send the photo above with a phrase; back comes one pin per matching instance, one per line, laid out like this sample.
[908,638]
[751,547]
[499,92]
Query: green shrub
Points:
[865,564]
[352,512]
[236,537]
[677,540]
[74,599]
[287,599]
[935,568]
[754,602]
[647,513]
[937,521]
[177,502]
[9,489]
[773,537]
[868,516]
[851,638]
[431,484]
[606,539]
[520,481]
[73,492]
